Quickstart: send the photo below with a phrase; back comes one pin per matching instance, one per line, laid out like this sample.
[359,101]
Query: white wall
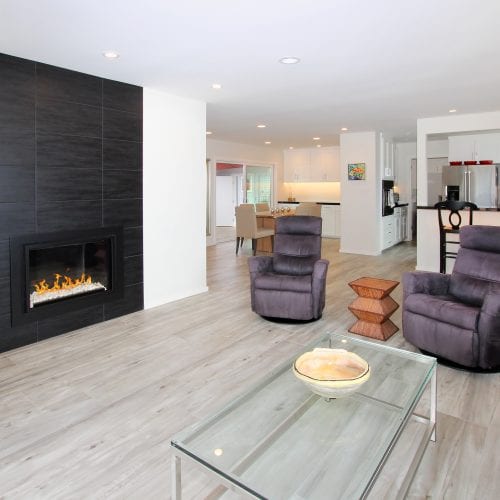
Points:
[361,214]
[174,198]
[310,191]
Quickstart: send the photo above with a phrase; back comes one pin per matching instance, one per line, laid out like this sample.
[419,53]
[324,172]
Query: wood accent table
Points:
[373,307]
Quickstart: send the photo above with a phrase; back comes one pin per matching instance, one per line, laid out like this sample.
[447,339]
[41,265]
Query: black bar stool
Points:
[452,227]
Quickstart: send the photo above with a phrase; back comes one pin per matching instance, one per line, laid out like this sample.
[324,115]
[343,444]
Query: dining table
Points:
[267,220]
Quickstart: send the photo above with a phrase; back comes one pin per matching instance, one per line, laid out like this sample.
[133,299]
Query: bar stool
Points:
[452,227]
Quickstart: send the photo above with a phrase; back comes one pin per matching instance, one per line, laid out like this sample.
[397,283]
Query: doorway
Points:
[237,183]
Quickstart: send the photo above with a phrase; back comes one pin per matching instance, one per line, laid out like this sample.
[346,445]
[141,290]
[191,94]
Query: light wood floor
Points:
[89,414]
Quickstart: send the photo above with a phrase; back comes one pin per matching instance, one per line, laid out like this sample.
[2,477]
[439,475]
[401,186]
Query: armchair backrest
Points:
[477,268]
[246,221]
[297,244]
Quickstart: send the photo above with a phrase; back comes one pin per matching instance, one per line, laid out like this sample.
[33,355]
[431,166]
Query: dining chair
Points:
[246,227]
[451,226]
[307,208]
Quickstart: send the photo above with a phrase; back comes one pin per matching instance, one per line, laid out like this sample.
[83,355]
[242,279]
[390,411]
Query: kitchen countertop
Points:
[492,209]
[318,202]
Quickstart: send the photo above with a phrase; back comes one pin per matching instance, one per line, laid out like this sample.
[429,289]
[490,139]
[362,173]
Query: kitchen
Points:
[471,138]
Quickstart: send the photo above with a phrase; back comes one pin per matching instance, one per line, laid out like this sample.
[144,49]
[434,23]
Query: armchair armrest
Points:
[425,282]
[320,269]
[489,331]
[260,264]
[318,285]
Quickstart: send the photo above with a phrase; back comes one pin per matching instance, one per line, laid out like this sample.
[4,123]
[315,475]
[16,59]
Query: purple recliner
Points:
[291,283]
[457,316]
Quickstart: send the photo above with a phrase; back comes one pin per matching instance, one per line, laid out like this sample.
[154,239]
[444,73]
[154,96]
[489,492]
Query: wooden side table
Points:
[373,307]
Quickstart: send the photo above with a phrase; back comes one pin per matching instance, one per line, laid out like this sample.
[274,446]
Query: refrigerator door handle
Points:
[468,185]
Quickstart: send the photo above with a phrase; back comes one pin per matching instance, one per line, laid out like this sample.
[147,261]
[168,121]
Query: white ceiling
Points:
[365,65]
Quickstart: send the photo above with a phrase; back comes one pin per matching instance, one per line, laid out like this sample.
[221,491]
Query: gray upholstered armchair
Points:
[457,316]
[291,283]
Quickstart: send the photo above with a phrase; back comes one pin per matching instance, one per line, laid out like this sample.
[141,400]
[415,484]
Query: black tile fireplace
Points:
[70,160]
[56,273]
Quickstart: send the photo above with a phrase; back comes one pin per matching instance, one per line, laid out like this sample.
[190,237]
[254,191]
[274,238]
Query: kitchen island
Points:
[330,213]
[428,234]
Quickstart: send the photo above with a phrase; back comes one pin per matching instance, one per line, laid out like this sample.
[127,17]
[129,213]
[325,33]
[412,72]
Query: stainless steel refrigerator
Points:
[478,184]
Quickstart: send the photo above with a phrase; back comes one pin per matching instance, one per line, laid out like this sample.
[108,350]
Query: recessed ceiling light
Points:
[318,145]
[111,54]
[344,129]
[261,125]
[452,110]
[208,132]
[289,60]
[316,138]
[290,147]
[216,86]
[267,142]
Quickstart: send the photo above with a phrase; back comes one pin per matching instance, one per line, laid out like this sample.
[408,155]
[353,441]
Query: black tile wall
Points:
[66,85]
[69,321]
[122,155]
[133,301]
[17,183]
[64,184]
[132,242]
[68,215]
[70,157]
[5,258]
[69,118]
[122,125]
[68,152]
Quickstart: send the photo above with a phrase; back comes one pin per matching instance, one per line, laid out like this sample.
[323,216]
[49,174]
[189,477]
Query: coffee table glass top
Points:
[279,440]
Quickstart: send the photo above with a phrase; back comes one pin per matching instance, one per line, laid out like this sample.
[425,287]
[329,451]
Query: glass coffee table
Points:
[281,441]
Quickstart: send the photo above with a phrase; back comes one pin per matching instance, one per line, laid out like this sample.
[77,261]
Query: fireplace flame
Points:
[61,283]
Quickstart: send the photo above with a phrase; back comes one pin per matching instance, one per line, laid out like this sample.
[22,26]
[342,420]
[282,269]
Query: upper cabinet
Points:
[297,165]
[386,158]
[474,147]
[312,165]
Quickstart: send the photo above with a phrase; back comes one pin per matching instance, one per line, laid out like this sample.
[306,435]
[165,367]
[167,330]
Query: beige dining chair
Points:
[246,227]
[262,207]
[308,209]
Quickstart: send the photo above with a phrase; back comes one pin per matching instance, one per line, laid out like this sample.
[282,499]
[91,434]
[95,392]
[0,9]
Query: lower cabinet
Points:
[395,227]
[388,231]
[331,221]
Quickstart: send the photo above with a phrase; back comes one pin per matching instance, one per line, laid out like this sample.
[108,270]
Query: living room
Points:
[91,396]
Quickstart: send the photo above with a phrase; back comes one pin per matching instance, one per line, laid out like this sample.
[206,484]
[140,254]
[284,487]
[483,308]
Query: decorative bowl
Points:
[470,162]
[485,162]
[331,373]
[455,163]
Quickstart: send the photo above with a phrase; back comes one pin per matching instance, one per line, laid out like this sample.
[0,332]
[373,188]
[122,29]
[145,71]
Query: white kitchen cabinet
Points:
[336,211]
[397,225]
[387,231]
[331,221]
[474,147]
[312,165]
[328,216]
[297,165]
[404,223]
[325,165]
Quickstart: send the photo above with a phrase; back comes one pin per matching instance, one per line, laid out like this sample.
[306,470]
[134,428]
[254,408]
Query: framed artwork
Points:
[356,171]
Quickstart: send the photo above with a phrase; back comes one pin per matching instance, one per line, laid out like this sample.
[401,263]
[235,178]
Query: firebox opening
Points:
[58,273]
[53,273]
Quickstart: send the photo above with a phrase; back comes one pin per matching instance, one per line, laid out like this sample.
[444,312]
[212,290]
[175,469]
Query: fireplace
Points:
[54,273]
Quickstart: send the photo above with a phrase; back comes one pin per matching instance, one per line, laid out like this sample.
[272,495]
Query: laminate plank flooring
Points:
[90,414]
